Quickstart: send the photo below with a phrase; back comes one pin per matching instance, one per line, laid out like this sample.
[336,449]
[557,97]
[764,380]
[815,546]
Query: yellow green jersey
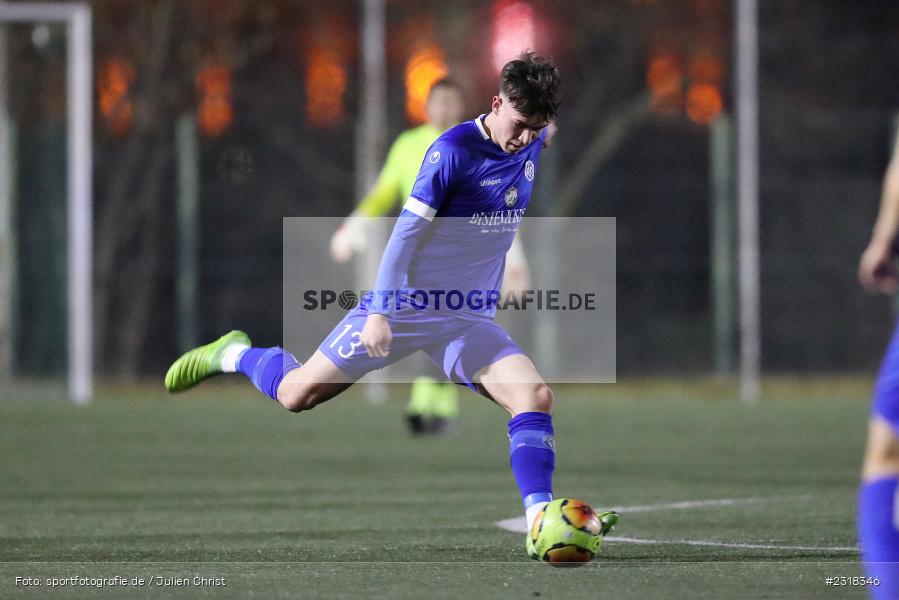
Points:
[400,170]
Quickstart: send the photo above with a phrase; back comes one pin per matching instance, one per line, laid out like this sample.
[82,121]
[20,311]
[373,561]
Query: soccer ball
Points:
[566,532]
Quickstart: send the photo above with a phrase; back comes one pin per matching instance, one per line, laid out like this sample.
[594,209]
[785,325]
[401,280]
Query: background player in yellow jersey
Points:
[433,406]
[444,108]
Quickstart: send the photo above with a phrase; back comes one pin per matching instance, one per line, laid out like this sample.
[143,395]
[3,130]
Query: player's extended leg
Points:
[514,383]
[339,361]
[274,371]
[316,381]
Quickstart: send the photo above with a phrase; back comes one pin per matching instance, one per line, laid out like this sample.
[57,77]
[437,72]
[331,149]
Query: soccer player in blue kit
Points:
[878,502]
[437,285]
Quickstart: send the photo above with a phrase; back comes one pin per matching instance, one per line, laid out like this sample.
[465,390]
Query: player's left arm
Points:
[877,270]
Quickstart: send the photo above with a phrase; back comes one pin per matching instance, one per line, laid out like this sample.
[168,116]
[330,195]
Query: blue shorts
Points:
[886,390]
[459,346]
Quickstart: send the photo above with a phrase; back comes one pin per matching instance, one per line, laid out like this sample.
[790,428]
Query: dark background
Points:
[828,103]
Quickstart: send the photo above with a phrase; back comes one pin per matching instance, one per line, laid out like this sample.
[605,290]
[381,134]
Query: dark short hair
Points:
[531,83]
[445,83]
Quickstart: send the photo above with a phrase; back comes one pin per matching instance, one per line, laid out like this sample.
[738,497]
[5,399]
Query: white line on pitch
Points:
[629,540]
[519,525]
[686,504]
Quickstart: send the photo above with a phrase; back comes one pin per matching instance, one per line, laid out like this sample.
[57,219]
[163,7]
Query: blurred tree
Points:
[169,44]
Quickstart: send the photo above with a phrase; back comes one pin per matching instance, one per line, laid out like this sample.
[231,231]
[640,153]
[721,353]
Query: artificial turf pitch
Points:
[342,502]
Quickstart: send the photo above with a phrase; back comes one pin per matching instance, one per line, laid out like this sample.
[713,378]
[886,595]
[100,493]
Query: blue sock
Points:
[266,367]
[878,535]
[532,454]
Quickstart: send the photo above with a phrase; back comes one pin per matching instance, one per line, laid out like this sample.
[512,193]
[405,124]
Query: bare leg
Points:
[882,452]
[513,383]
[316,381]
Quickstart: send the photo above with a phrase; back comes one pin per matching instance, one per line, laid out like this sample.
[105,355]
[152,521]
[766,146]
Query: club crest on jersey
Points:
[511,196]
[435,156]
[529,170]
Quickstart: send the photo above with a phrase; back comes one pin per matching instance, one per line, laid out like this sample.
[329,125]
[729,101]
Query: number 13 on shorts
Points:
[352,342]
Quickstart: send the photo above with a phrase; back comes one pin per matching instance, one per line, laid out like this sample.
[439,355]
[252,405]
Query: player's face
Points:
[444,107]
[512,130]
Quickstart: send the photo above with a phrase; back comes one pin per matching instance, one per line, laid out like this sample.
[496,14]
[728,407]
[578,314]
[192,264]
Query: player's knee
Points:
[881,458]
[544,398]
[882,452]
[298,398]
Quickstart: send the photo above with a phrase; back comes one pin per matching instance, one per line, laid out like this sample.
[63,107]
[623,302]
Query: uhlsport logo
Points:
[511,196]
[529,170]
[435,156]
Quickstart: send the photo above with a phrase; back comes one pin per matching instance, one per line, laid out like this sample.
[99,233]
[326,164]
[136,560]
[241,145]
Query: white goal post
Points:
[747,66]
[79,60]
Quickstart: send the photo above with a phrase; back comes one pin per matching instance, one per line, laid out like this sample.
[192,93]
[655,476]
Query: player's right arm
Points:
[380,200]
[877,269]
[432,186]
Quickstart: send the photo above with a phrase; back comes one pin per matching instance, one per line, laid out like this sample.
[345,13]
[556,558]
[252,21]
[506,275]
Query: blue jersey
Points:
[465,174]
[461,218]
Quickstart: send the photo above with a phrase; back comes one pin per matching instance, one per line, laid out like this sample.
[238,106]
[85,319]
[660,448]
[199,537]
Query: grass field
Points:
[340,502]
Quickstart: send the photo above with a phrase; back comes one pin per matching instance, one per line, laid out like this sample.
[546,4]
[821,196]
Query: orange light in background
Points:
[704,103]
[215,112]
[425,67]
[326,81]
[513,31]
[704,99]
[664,78]
[706,68]
[114,81]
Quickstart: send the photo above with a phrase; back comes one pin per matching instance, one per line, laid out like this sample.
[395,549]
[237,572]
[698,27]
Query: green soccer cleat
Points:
[607,520]
[205,361]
